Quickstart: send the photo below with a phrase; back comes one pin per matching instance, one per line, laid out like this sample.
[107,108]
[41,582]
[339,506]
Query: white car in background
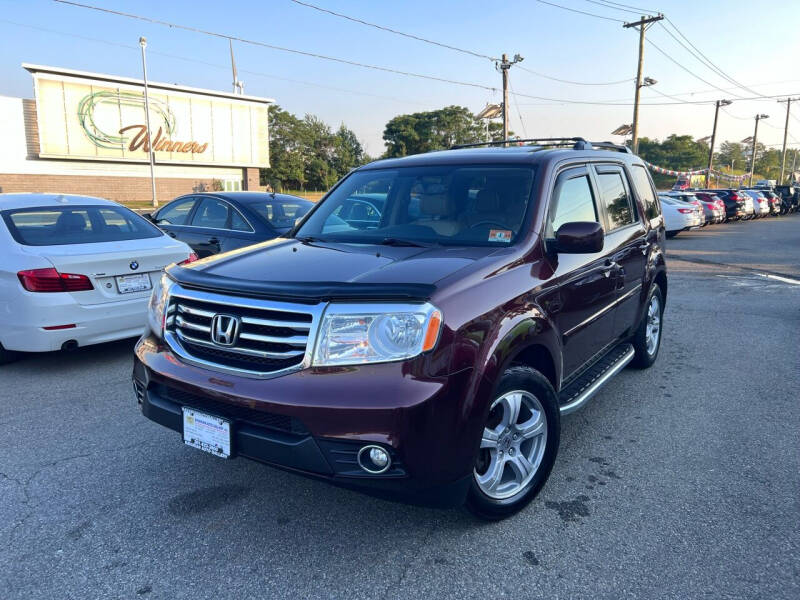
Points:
[76,271]
[679,215]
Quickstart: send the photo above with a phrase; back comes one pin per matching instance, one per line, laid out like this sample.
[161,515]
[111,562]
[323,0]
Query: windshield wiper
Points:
[308,238]
[393,241]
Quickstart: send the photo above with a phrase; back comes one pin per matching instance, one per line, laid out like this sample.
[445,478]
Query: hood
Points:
[317,270]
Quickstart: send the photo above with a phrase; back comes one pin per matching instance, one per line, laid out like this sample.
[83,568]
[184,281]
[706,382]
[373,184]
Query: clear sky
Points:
[755,43]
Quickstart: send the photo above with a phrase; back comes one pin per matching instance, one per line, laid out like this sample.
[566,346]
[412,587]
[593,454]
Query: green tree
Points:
[433,130]
[731,153]
[307,154]
[676,152]
[286,159]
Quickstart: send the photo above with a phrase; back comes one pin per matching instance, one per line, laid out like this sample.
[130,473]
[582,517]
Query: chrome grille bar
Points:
[274,337]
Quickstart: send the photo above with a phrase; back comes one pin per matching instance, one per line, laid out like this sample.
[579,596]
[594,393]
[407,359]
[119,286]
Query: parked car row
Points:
[77,270]
[693,208]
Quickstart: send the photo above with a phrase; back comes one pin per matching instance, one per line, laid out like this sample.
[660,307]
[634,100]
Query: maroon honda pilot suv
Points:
[421,332]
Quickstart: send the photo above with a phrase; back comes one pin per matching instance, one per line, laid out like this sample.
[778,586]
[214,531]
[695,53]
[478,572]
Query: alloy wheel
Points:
[653,331]
[512,445]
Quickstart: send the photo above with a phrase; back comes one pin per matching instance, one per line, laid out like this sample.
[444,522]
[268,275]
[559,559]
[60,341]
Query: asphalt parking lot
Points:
[682,481]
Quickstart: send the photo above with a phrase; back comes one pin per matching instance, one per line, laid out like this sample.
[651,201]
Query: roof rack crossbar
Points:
[577,143]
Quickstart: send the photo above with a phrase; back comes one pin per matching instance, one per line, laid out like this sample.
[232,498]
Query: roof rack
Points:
[577,143]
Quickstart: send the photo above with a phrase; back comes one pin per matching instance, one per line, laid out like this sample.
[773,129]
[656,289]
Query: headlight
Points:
[352,334]
[157,307]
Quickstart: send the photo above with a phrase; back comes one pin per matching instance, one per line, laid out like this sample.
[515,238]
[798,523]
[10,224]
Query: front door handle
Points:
[644,247]
[610,266]
[171,234]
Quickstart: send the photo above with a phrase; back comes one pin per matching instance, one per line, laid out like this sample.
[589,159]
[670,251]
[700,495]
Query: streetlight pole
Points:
[642,25]
[753,153]
[717,104]
[150,153]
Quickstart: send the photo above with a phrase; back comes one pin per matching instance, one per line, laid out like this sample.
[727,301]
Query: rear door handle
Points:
[214,241]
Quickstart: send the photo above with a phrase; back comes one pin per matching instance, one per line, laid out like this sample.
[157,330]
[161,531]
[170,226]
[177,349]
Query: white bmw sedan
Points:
[75,271]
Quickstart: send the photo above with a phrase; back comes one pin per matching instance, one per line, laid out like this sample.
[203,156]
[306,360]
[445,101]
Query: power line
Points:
[519,113]
[604,5]
[217,66]
[394,31]
[531,71]
[727,112]
[635,8]
[279,48]
[702,59]
[376,67]
[580,12]
[708,60]
[443,45]
[689,71]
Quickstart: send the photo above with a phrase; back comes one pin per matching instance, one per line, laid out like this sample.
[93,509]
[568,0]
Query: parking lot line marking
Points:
[779,278]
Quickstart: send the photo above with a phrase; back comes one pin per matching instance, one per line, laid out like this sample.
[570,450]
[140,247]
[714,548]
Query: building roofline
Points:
[33,69]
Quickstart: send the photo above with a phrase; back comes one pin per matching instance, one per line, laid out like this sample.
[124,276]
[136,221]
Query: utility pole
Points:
[504,65]
[642,25]
[753,154]
[785,134]
[150,151]
[718,103]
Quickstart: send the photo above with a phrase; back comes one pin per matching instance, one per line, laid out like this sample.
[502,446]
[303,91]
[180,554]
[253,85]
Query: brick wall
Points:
[251,180]
[120,189]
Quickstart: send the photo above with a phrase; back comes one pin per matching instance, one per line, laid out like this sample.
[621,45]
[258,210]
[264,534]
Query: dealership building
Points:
[86,133]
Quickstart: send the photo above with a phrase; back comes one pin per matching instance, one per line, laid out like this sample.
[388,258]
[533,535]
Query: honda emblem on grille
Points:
[225,329]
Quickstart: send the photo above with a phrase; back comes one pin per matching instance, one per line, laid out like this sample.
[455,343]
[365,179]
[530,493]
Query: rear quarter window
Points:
[63,225]
[644,189]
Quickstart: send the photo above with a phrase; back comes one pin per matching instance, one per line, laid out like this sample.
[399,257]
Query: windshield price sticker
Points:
[500,235]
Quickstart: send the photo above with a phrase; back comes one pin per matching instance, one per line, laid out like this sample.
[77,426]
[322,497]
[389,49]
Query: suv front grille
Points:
[273,337]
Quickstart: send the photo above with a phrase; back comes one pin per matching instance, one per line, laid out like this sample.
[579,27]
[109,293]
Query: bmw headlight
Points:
[157,307]
[353,334]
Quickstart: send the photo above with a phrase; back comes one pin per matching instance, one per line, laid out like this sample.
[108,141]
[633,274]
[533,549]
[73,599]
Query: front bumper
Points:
[315,421]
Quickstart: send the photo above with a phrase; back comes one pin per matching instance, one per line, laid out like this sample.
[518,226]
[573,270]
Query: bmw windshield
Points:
[470,205]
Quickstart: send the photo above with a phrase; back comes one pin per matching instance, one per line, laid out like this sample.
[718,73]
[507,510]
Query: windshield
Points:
[281,214]
[460,205]
[56,225]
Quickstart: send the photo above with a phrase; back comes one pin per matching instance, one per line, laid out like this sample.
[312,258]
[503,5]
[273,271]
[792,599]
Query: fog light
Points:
[374,459]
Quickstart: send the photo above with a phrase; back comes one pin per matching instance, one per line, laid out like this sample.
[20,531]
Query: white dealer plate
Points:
[207,432]
[127,284]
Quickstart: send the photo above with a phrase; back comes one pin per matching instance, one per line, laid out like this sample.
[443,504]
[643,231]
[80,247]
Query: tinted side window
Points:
[572,201]
[615,198]
[176,213]
[238,223]
[644,188]
[211,213]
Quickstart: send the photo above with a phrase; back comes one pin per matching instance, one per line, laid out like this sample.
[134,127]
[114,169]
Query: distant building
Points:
[85,133]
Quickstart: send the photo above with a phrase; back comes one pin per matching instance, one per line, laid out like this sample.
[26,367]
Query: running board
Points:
[578,393]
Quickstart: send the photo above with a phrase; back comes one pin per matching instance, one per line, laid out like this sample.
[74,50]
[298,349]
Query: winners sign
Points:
[86,116]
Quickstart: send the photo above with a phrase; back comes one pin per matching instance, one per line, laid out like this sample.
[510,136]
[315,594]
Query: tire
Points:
[7,356]
[672,234]
[496,497]
[646,352]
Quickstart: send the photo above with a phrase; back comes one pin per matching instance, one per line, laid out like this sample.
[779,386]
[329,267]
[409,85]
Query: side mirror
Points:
[579,237]
[149,217]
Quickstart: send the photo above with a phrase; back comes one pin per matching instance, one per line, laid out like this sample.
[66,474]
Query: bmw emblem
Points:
[134,265]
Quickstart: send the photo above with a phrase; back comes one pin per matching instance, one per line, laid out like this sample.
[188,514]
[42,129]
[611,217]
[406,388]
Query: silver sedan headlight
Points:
[157,307]
[353,334]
